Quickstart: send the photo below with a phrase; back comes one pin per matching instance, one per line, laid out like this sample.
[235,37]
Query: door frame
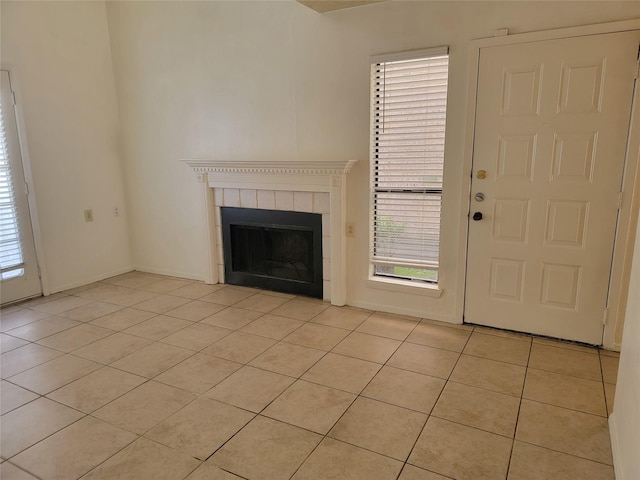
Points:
[630,208]
[26,166]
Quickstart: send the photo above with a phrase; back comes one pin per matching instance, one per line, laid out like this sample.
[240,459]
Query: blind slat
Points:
[409,101]
[10,246]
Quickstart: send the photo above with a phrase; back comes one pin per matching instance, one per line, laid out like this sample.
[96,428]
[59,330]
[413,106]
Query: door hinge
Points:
[620,194]
[26,188]
[605,316]
[13,98]
[637,64]
[39,272]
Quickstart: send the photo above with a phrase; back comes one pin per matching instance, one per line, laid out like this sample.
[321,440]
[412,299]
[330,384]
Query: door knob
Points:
[477,216]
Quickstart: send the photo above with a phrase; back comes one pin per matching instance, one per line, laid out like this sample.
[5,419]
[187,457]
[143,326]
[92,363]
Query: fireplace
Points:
[272,249]
[311,187]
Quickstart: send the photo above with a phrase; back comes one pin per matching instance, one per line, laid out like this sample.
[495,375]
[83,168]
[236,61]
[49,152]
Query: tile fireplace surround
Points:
[313,187]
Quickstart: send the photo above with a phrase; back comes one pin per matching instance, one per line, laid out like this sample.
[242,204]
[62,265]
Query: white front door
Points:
[18,266]
[552,120]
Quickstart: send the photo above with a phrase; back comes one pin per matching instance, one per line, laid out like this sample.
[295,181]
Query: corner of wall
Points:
[615,447]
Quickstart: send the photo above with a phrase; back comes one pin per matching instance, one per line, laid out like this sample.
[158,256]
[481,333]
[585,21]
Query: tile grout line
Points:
[567,454]
[604,389]
[515,427]
[23,470]
[259,414]
[436,401]
[298,378]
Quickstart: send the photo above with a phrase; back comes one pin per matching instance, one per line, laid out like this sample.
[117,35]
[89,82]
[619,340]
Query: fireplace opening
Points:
[273,249]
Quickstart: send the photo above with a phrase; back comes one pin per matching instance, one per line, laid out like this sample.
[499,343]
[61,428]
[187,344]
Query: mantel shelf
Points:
[271,168]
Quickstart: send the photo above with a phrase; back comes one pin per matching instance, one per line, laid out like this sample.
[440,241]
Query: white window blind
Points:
[409,103]
[11,260]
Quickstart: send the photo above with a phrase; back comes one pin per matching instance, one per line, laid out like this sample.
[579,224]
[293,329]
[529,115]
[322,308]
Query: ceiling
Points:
[324,6]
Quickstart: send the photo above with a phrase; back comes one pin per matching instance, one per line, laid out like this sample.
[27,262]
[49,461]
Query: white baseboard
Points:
[398,310]
[616,347]
[86,281]
[120,271]
[169,273]
[615,450]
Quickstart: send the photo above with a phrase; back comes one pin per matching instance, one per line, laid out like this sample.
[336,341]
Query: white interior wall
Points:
[195,79]
[61,57]
[277,81]
[240,81]
[625,421]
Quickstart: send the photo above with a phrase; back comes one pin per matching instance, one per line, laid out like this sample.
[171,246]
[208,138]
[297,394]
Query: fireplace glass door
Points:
[275,250]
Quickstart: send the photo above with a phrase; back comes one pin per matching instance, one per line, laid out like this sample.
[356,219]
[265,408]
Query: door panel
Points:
[19,278]
[552,120]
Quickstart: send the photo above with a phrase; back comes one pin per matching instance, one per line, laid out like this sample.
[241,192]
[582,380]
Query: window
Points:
[11,262]
[408,118]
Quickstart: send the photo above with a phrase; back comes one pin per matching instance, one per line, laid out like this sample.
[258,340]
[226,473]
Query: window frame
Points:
[12,264]
[376,62]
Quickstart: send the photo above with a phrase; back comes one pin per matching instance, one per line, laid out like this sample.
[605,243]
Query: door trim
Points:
[26,165]
[628,214]
[626,231]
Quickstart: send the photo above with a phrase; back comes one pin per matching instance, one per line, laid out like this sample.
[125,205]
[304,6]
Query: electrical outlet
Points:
[116,211]
[350,229]
[88,215]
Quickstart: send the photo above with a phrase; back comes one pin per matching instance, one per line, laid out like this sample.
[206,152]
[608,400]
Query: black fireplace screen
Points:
[272,249]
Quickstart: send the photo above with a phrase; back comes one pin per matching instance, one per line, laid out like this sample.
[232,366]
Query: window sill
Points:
[404,286]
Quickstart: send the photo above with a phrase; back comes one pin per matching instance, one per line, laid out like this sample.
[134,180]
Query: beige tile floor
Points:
[148,377]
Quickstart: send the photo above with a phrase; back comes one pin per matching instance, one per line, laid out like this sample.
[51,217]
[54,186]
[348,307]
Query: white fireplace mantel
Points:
[290,176]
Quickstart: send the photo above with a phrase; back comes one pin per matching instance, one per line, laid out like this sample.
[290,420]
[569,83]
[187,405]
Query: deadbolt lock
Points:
[482,174]
[477,216]
[479,197]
